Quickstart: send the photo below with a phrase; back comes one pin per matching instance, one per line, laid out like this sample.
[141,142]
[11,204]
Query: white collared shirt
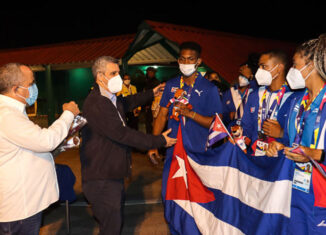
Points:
[28,181]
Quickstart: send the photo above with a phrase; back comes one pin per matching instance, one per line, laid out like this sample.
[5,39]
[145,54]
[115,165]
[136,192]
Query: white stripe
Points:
[265,196]
[213,134]
[206,222]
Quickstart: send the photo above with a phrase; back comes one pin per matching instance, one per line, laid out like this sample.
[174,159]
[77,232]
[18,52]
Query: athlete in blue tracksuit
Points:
[264,117]
[306,133]
[235,98]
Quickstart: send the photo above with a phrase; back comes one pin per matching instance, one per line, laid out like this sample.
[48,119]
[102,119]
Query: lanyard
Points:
[190,87]
[243,102]
[301,119]
[266,114]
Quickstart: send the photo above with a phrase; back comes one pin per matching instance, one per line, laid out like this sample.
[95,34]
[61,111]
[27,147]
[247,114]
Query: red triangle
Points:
[176,187]
[318,182]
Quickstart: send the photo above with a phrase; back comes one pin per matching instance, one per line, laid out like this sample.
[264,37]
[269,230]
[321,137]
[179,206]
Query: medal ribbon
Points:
[275,105]
[243,102]
[301,119]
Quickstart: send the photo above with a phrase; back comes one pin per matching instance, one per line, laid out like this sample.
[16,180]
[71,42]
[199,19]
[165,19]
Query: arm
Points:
[160,121]
[22,132]
[133,101]
[103,118]
[200,119]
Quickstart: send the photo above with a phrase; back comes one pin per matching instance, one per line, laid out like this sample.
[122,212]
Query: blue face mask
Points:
[33,93]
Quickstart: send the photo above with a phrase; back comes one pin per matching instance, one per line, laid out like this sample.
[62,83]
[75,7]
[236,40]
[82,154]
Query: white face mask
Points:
[264,77]
[243,81]
[295,78]
[114,84]
[187,69]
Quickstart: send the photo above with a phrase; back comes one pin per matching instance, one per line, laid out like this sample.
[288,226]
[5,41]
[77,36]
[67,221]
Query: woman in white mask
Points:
[306,132]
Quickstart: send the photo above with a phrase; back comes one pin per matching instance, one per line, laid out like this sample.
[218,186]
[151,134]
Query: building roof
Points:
[155,42]
[221,52]
[69,54]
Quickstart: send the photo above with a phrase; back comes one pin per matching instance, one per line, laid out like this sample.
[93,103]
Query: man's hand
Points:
[72,107]
[313,153]
[153,156]
[273,148]
[169,141]
[272,128]
[159,89]
[184,110]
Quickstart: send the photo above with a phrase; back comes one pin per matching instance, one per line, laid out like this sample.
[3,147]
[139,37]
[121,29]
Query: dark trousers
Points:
[107,199]
[28,226]
[148,120]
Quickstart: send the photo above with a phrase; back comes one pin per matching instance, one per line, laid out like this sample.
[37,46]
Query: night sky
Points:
[46,23]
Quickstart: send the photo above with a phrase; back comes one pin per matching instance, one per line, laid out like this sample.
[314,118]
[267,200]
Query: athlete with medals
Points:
[264,116]
[306,134]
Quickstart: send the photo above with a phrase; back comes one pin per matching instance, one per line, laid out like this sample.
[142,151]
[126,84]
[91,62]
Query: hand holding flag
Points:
[217,131]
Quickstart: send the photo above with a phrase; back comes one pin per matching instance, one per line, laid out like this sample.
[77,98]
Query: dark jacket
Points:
[105,149]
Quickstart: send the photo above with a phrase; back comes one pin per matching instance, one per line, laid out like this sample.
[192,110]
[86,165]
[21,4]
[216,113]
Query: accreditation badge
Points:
[261,148]
[302,177]
[261,145]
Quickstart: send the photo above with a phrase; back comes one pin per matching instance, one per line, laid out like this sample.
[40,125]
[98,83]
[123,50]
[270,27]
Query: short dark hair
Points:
[252,62]
[126,74]
[151,69]
[191,46]
[279,55]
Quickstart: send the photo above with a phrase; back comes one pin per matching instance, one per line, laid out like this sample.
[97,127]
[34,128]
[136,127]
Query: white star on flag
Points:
[182,172]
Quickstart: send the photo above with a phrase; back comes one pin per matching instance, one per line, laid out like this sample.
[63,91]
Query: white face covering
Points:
[295,78]
[264,77]
[187,69]
[243,81]
[114,84]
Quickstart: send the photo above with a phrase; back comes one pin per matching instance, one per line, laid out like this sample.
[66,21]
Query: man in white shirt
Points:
[28,182]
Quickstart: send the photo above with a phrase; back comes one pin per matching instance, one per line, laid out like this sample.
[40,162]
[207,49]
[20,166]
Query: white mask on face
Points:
[295,78]
[243,81]
[114,84]
[187,69]
[264,77]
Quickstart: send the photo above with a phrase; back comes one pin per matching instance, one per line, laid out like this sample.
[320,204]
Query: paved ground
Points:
[143,210]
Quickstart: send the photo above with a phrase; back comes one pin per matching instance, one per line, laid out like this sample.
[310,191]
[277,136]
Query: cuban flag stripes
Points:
[224,191]
[217,131]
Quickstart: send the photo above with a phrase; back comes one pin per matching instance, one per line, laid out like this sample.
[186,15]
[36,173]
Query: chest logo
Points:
[198,92]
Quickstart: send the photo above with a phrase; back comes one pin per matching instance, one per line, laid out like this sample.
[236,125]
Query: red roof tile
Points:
[69,52]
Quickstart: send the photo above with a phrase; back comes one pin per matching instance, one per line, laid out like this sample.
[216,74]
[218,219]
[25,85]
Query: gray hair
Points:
[10,75]
[100,63]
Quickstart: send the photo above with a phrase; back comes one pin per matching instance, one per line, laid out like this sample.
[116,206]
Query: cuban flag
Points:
[217,131]
[224,191]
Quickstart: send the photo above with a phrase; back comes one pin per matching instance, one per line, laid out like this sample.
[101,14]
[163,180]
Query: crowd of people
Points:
[278,107]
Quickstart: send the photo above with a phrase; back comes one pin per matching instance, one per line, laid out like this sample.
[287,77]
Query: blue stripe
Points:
[182,222]
[249,220]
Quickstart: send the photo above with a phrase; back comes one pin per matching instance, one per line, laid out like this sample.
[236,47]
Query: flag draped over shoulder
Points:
[224,191]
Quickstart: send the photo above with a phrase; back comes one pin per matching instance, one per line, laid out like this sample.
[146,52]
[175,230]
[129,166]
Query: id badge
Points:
[302,177]
[261,148]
